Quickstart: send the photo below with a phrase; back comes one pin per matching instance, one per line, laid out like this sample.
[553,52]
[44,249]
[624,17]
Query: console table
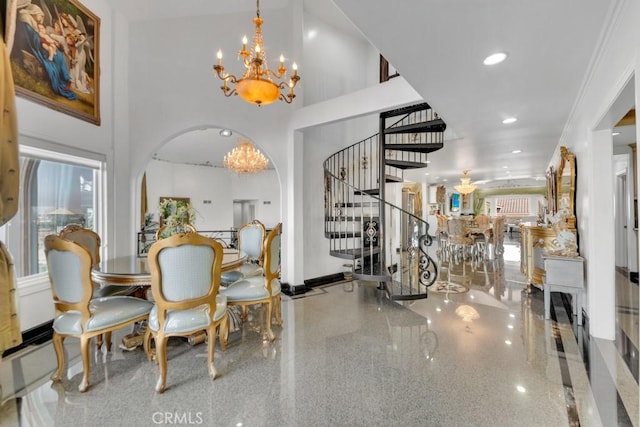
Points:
[564,274]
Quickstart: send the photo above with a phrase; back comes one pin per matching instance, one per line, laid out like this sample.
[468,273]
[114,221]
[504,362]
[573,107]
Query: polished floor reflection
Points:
[346,355]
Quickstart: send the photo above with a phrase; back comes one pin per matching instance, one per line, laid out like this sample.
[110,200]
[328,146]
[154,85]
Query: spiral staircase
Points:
[384,242]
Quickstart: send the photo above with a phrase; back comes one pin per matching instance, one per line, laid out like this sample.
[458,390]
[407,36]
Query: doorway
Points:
[620,213]
[244,211]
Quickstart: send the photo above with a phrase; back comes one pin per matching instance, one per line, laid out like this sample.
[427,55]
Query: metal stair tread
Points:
[404,164]
[351,218]
[430,126]
[393,178]
[418,148]
[371,192]
[356,253]
[356,205]
[342,234]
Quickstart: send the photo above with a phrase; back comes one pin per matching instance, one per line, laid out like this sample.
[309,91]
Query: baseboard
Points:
[36,335]
[309,284]
[324,280]
[292,291]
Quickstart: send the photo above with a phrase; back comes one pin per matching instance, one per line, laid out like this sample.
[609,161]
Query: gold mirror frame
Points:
[566,188]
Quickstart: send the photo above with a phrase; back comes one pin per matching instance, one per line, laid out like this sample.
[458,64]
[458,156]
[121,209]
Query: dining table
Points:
[133,270]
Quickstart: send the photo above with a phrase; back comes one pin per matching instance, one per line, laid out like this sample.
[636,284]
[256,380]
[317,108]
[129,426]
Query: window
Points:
[55,190]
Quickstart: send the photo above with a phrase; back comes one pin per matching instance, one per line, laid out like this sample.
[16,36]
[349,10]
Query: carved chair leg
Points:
[107,338]
[211,346]
[146,344]
[161,356]
[268,332]
[84,353]
[277,309]
[58,340]
[223,331]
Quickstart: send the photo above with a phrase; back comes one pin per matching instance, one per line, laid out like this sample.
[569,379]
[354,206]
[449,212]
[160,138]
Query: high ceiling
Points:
[439,46]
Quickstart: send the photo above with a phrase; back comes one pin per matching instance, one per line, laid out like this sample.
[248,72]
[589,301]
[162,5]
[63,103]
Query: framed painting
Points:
[55,56]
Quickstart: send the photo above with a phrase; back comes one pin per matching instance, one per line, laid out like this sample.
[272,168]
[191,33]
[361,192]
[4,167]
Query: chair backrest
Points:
[272,252]
[185,272]
[69,269]
[482,221]
[457,227]
[498,229]
[185,228]
[85,237]
[251,239]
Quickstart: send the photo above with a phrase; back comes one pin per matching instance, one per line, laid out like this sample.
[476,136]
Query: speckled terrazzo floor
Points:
[353,358]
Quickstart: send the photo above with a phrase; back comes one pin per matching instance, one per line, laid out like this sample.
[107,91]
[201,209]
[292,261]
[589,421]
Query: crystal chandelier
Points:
[257,84]
[465,186]
[245,158]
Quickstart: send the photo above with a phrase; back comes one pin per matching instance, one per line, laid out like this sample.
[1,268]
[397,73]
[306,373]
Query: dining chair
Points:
[443,235]
[458,238]
[483,223]
[250,244]
[90,240]
[77,313]
[185,277]
[261,289]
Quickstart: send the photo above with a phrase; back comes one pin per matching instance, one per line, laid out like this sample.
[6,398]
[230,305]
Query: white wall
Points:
[335,62]
[616,62]
[221,187]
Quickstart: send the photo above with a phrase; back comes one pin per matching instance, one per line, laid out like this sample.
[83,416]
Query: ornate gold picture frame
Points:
[54,54]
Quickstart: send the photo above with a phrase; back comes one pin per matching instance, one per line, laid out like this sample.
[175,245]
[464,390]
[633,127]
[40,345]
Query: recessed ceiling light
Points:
[509,120]
[505,167]
[615,133]
[445,180]
[428,161]
[426,173]
[495,58]
[225,132]
[516,152]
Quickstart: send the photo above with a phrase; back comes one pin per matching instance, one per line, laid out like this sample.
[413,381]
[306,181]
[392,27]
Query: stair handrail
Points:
[376,197]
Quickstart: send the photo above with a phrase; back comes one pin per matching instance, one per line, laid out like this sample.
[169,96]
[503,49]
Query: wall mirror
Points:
[566,184]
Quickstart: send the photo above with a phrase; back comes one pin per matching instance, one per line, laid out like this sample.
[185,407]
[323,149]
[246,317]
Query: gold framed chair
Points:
[479,235]
[458,238]
[185,277]
[78,314]
[90,240]
[251,238]
[185,228]
[261,289]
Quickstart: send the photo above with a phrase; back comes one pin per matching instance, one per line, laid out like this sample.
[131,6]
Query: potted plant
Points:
[175,215]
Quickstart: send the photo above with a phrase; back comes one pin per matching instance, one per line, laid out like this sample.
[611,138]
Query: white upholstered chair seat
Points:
[188,320]
[106,312]
[253,288]
[245,271]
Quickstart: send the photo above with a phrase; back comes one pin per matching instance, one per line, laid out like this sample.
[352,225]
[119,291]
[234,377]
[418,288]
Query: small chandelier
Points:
[256,84]
[465,187]
[245,158]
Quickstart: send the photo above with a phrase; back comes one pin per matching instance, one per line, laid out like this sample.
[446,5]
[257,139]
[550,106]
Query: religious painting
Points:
[54,54]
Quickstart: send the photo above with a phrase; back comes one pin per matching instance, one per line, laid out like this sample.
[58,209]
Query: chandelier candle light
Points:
[245,158]
[257,84]
[465,187]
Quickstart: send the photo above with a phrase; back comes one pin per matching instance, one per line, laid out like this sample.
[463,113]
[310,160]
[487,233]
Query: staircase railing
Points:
[352,223]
